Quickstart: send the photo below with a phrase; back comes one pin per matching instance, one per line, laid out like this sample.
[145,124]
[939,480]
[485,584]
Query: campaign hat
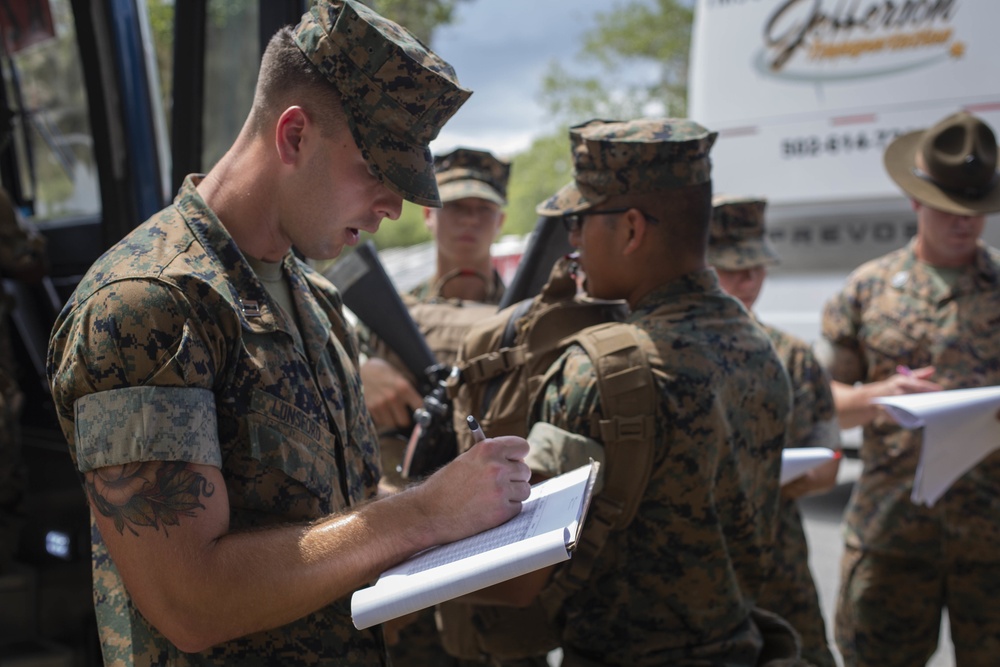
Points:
[396,92]
[950,167]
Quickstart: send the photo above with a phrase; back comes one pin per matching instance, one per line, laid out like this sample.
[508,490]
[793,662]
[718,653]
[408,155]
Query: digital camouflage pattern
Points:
[171,323]
[894,310]
[617,157]
[791,592]
[736,237]
[677,586]
[465,172]
[397,93]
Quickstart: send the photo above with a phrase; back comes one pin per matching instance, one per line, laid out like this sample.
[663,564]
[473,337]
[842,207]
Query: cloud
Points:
[501,50]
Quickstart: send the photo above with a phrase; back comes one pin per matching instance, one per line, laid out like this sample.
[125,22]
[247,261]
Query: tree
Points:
[421,17]
[536,174]
[641,48]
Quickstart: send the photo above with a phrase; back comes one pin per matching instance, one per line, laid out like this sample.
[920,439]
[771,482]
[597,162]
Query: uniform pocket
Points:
[286,438]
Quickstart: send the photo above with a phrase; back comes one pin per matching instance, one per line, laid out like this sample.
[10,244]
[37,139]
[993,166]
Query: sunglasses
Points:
[573,222]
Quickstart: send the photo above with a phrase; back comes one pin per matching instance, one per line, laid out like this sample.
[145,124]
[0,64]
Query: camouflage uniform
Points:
[903,561]
[172,324]
[678,585]
[171,349]
[737,241]
[791,592]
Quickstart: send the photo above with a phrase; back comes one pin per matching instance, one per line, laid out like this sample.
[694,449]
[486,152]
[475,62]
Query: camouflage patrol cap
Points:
[645,155]
[396,92]
[736,237]
[465,172]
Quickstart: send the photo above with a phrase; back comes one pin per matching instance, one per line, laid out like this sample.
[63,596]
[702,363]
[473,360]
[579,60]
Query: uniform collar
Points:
[704,281]
[248,296]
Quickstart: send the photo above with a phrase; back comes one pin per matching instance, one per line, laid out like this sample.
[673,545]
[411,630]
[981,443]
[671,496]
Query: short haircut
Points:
[683,214]
[287,78]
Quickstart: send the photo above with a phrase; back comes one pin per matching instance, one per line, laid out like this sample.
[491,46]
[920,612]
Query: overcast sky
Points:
[501,50]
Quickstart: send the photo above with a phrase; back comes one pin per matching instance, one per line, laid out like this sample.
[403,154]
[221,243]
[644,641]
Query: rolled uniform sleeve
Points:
[132,366]
[839,349]
[555,451]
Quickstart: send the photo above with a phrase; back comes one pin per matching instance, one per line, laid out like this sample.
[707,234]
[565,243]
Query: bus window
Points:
[232,57]
[52,135]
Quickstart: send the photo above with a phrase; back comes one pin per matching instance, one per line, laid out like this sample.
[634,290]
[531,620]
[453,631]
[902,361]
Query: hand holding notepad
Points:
[797,461]
[960,430]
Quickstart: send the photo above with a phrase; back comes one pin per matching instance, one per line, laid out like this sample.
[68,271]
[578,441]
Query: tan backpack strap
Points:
[490,365]
[628,393]
[434,290]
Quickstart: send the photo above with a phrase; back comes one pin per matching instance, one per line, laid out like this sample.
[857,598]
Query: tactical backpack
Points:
[503,364]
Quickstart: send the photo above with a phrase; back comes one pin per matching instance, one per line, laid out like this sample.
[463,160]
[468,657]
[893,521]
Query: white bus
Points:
[806,94]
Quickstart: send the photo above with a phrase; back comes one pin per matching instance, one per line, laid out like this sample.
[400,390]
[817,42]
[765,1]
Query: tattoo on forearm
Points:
[147,494]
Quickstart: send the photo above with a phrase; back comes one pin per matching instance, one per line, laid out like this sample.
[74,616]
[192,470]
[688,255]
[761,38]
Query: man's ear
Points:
[430,218]
[636,225]
[289,132]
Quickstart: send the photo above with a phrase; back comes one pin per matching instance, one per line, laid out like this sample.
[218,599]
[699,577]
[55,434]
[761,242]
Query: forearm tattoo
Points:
[147,494]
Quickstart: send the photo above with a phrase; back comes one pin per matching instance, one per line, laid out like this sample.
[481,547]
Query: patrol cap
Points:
[465,172]
[644,155]
[736,237]
[396,92]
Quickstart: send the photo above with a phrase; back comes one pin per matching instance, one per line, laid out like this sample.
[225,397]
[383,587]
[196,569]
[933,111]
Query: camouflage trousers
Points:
[791,592]
[419,645]
[889,609]
[763,640]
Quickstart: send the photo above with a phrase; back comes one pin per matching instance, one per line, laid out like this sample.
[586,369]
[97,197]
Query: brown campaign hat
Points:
[397,93]
[465,172]
[951,167]
[644,155]
[736,238]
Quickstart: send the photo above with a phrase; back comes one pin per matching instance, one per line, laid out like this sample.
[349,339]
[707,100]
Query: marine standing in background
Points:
[473,190]
[740,253]
[207,383]
[678,585]
[922,318]
[472,185]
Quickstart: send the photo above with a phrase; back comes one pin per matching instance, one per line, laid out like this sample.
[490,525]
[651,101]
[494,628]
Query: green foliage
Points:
[421,17]
[408,230]
[161,23]
[536,174]
[636,36]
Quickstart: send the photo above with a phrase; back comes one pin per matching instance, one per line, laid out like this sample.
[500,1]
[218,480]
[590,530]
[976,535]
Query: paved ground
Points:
[822,516]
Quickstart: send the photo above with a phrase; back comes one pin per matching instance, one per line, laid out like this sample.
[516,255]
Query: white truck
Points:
[806,94]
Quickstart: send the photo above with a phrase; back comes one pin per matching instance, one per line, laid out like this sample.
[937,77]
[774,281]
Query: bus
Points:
[806,95]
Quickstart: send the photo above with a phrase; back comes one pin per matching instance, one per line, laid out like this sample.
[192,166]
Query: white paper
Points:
[797,461]
[541,535]
[960,430]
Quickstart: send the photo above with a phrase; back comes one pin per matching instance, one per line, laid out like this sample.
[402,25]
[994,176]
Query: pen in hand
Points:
[904,370]
[477,433]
